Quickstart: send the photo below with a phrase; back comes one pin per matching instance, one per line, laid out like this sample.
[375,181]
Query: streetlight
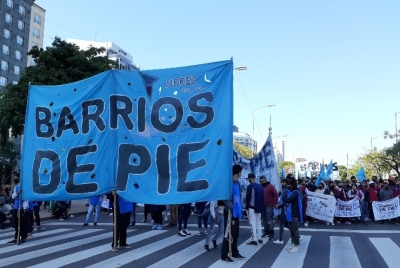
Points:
[373,139]
[264,106]
[283,145]
[241,68]
[395,123]
[294,160]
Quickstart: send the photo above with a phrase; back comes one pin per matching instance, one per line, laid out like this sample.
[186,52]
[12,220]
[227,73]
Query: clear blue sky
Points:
[332,68]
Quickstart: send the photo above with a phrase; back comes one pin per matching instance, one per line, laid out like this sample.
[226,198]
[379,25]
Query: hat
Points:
[251,176]
[371,182]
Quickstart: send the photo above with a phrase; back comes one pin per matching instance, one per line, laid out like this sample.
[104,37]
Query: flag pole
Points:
[115,222]
[230,233]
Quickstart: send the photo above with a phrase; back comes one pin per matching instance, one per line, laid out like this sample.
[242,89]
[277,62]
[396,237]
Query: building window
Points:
[21,25]
[17,69]
[4,65]
[36,33]
[32,62]
[20,40]
[21,10]
[10,3]
[8,18]
[3,81]
[37,19]
[7,34]
[18,55]
[6,50]
[15,82]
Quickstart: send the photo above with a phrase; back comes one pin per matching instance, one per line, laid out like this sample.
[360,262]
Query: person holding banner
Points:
[294,212]
[371,195]
[19,215]
[233,207]
[123,211]
[385,194]
[356,193]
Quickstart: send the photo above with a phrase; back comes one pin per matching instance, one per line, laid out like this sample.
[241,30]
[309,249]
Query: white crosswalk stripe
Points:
[84,246]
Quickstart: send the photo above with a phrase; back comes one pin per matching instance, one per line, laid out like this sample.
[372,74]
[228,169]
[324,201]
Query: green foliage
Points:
[61,63]
[342,172]
[243,150]
[288,166]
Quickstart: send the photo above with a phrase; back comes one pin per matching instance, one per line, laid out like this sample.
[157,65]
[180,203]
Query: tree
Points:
[288,166]
[342,172]
[243,150]
[61,63]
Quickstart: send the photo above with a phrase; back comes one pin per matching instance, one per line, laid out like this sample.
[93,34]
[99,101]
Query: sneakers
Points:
[144,220]
[214,243]
[264,235]
[260,241]
[158,227]
[124,246]
[154,227]
[12,241]
[60,219]
[278,242]
[306,224]
[347,222]
[332,223]
[200,232]
[171,224]
[85,224]
[293,249]
[206,247]
[239,256]
[252,243]
[186,232]
[110,214]
[181,233]
[39,228]
[95,223]
[205,232]
[227,259]
[290,247]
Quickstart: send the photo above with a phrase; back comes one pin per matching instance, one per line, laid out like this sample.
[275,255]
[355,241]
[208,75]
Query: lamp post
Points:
[395,123]
[373,139]
[264,106]
[283,145]
[294,160]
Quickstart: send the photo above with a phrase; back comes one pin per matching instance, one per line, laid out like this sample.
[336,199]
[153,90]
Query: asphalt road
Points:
[68,244]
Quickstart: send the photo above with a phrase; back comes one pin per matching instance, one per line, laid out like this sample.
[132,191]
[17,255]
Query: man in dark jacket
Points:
[292,198]
[270,202]
[254,206]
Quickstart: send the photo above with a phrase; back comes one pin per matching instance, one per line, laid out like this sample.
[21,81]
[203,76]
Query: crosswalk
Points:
[62,245]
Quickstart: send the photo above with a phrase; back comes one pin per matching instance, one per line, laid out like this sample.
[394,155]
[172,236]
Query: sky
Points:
[331,68]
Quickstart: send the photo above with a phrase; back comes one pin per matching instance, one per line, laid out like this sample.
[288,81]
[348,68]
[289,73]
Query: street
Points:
[68,244]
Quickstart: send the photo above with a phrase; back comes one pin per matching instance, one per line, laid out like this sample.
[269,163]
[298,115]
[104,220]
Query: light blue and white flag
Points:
[156,137]
[283,173]
[264,163]
[321,174]
[329,171]
[361,174]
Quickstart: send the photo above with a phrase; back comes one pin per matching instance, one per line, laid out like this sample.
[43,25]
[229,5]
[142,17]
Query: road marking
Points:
[342,253]
[138,253]
[389,250]
[41,252]
[35,235]
[293,260]
[84,254]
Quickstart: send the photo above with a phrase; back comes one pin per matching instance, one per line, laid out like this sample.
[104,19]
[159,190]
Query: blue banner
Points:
[264,163]
[156,137]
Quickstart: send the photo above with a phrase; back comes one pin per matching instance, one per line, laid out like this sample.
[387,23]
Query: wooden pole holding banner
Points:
[230,233]
[115,222]
[19,220]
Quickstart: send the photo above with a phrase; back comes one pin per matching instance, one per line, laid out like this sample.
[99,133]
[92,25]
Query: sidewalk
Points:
[77,208]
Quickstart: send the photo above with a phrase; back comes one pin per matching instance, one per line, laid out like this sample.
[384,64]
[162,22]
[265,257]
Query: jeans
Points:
[211,227]
[364,210]
[282,220]
[133,214]
[294,231]
[90,211]
[269,222]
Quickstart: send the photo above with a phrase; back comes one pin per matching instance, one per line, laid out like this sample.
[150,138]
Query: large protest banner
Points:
[388,209]
[263,163]
[348,209]
[156,137]
[320,206]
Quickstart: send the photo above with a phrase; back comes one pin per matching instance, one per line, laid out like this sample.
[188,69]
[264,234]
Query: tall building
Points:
[244,139]
[113,51]
[36,30]
[15,26]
